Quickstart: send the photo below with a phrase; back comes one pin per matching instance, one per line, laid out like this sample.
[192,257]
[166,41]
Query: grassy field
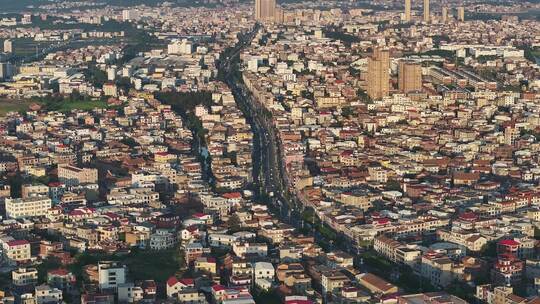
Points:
[11,105]
[25,47]
[14,105]
[79,105]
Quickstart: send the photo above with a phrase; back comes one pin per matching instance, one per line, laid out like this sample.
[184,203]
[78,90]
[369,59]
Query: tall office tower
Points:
[426,10]
[378,76]
[461,13]
[407,17]
[409,76]
[444,14]
[8,46]
[265,10]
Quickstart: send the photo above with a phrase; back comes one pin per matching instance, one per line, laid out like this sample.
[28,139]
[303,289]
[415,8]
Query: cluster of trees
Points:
[184,104]
[95,75]
[336,34]
[530,53]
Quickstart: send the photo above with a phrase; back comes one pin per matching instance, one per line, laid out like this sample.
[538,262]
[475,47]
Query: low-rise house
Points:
[205,264]
[47,294]
[376,285]
[24,276]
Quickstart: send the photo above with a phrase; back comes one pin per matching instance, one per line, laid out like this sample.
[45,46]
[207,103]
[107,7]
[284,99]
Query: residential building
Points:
[72,176]
[110,275]
[27,207]
[410,76]
[378,76]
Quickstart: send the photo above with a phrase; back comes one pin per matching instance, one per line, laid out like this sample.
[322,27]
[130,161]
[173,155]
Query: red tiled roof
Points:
[509,242]
[172,281]
[232,195]
[17,243]
[59,271]
[218,287]
[187,282]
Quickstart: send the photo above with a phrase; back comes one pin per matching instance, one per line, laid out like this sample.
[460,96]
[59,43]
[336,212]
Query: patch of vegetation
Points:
[442,53]
[412,283]
[13,105]
[184,104]
[393,185]
[377,262]
[530,53]
[74,101]
[141,264]
[96,76]
[269,297]
[363,96]
[489,250]
[337,34]
[47,265]
[156,265]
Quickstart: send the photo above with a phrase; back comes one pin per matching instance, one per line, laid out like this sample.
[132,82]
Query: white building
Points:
[47,294]
[8,46]
[111,73]
[242,249]
[129,293]
[24,276]
[264,270]
[128,15]
[162,239]
[27,207]
[111,274]
[220,239]
[183,47]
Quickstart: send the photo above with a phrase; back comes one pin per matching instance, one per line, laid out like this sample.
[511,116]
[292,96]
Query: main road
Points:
[268,169]
[269,174]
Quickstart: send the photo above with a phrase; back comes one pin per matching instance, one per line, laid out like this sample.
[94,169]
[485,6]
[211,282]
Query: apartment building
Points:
[72,176]
[27,207]
[110,275]
[24,276]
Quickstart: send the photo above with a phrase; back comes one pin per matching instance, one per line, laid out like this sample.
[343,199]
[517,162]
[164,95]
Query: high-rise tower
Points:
[409,76]
[426,11]
[444,14]
[378,75]
[461,13]
[265,10]
[407,16]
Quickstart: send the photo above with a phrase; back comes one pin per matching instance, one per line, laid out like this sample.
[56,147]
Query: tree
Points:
[234,223]
[393,185]
[363,96]
[124,84]
[489,250]
[48,264]
[347,112]
[96,76]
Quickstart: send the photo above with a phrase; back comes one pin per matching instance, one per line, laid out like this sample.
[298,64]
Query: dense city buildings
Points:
[236,152]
